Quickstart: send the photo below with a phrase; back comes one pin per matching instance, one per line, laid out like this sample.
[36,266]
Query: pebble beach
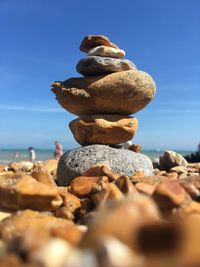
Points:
[102,218]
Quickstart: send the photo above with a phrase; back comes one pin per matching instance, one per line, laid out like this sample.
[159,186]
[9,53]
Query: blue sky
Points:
[40,44]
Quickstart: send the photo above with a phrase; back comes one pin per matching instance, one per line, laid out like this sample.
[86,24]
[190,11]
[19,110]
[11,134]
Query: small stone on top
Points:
[91,41]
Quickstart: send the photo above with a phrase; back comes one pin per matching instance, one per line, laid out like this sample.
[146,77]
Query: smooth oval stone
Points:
[124,92]
[91,41]
[103,129]
[171,159]
[74,163]
[106,51]
[94,65]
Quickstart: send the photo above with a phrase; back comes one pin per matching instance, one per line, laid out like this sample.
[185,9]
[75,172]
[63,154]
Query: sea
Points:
[14,155]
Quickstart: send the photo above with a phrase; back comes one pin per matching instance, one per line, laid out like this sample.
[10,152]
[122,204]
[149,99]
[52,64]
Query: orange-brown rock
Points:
[152,180]
[171,175]
[102,170]
[120,219]
[23,191]
[43,176]
[124,92]
[190,188]
[91,41]
[110,192]
[50,166]
[188,208]
[70,201]
[64,212]
[145,188]
[125,185]
[189,251]
[83,186]
[71,233]
[135,147]
[169,194]
[195,180]
[103,129]
[29,220]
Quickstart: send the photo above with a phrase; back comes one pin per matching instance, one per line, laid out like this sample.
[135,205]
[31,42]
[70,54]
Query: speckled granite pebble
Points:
[123,161]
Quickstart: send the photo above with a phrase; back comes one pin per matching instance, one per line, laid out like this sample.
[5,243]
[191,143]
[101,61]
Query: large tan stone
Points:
[23,191]
[124,92]
[103,129]
[91,41]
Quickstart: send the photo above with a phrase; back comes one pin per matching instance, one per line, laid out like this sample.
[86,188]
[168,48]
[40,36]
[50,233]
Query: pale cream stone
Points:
[106,51]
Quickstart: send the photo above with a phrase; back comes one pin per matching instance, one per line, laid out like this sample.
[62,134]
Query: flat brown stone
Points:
[91,41]
[125,185]
[145,188]
[83,186]
[103,129]
[70,201]
[102,170]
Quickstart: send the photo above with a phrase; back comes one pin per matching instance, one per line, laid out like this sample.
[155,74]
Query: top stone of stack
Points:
[91,41]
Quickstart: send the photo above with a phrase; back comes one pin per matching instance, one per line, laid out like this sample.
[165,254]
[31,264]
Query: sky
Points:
[40,44]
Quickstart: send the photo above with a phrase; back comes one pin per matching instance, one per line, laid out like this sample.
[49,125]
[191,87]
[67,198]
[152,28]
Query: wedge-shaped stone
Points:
[103,129]
[83,186]
[91,41]
[102,170]
[124,92]
[23,191]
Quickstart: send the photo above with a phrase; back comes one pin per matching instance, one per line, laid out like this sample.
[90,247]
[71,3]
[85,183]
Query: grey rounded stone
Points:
[93,65]
[75,162]
[171,159]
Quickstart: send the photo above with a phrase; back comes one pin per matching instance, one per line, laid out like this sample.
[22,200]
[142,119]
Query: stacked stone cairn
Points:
[111,90]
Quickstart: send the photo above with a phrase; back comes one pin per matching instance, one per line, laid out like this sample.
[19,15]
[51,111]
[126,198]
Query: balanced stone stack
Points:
[111,90]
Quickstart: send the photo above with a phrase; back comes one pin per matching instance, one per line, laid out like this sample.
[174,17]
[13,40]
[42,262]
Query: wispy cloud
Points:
[29,109]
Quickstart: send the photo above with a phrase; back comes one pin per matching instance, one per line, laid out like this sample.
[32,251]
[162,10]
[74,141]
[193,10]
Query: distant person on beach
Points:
[58,150]
[16,155]
[32,155]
